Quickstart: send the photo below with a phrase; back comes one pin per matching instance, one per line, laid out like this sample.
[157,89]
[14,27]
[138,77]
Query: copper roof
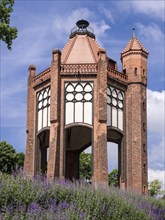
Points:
[134,44]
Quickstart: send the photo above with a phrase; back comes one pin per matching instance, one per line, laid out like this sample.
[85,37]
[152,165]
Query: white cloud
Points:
[106,12]
[150,32]
[150,8]
[100,28]
[156,110]
[153,9]
[63,25]
[157,174]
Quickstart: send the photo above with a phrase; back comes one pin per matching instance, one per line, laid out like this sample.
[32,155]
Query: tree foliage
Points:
[85,165]
[9,159]
[154,187]
[7,33]
[113,178]
[20,159]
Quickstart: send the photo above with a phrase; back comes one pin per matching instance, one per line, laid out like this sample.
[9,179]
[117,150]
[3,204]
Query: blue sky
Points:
[45,25]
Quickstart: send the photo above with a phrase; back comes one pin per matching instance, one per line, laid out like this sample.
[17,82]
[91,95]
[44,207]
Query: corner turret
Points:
[134,61]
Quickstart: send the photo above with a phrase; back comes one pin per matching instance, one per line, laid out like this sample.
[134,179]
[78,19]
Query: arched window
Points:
[143,72]
[135,71]
[115,107]
[78,102]
[43,108]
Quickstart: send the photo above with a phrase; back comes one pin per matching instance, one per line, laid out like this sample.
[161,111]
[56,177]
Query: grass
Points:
[25,199]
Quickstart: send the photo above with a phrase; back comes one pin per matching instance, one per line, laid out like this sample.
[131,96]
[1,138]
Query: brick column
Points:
[30,127]
[100,163]
[54,141]
[135,137]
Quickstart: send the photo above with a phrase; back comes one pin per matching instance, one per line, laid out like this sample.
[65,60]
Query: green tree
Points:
[113,178]
[7,33]
[20,160]
[85,165]
[154,187]
[8,157]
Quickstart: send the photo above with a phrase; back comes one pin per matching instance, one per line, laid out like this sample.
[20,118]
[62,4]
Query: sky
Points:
[46,25]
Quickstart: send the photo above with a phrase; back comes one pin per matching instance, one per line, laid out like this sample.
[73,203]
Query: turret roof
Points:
[80,49]
[134,44]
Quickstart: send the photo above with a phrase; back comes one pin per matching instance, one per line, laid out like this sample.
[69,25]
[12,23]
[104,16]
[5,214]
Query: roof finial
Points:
[133,29]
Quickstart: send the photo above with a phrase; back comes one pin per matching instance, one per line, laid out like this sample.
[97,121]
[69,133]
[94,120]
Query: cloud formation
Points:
[155,110]
[152,9]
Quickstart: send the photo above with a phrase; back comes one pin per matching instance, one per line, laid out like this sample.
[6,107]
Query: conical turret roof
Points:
[134,44]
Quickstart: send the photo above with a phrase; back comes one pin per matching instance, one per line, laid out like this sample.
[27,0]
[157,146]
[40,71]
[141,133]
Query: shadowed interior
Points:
[78,138]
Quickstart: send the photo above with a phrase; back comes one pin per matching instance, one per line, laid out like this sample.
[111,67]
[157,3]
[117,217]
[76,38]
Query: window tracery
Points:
[115,107]
[43,108]
[78,102]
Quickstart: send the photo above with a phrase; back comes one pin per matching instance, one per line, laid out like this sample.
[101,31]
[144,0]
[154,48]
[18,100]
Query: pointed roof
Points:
[134,44]
[80,49]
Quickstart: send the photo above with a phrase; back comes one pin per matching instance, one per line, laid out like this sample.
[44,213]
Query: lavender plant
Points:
[25,199]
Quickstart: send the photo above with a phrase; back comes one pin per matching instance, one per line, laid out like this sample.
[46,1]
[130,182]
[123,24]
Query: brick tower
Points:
[82,100]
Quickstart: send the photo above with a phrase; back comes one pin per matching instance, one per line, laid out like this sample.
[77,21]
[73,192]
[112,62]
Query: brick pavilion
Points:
[83,100]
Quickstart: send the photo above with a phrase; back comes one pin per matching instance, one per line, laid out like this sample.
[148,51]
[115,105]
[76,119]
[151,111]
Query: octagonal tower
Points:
[82,100]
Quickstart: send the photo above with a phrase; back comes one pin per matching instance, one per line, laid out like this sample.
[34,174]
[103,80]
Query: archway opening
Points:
[43,150]
[113,164]
[115,155]
[77,139]
[85,165]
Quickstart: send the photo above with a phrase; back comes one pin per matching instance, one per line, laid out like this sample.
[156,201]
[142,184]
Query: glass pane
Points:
[48,100]
[39,105]
[88,113]
[49,92]
[120,96]
[69,113]
[69,97]
[40,97]
[114,102]
[78,96]
[87,96]
[45,102]
[120,104]
[88,88]
[120,119]
[108,115]
[49,116]
[70,88]
[114,117]
[108,100]
[79,112]
[114,94]
[79,88]
[45,94]
[45,117]
[39,120]
[108,91]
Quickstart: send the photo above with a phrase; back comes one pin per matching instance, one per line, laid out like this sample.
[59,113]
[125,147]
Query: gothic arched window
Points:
[115,107]
[43,108]
[78,102]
